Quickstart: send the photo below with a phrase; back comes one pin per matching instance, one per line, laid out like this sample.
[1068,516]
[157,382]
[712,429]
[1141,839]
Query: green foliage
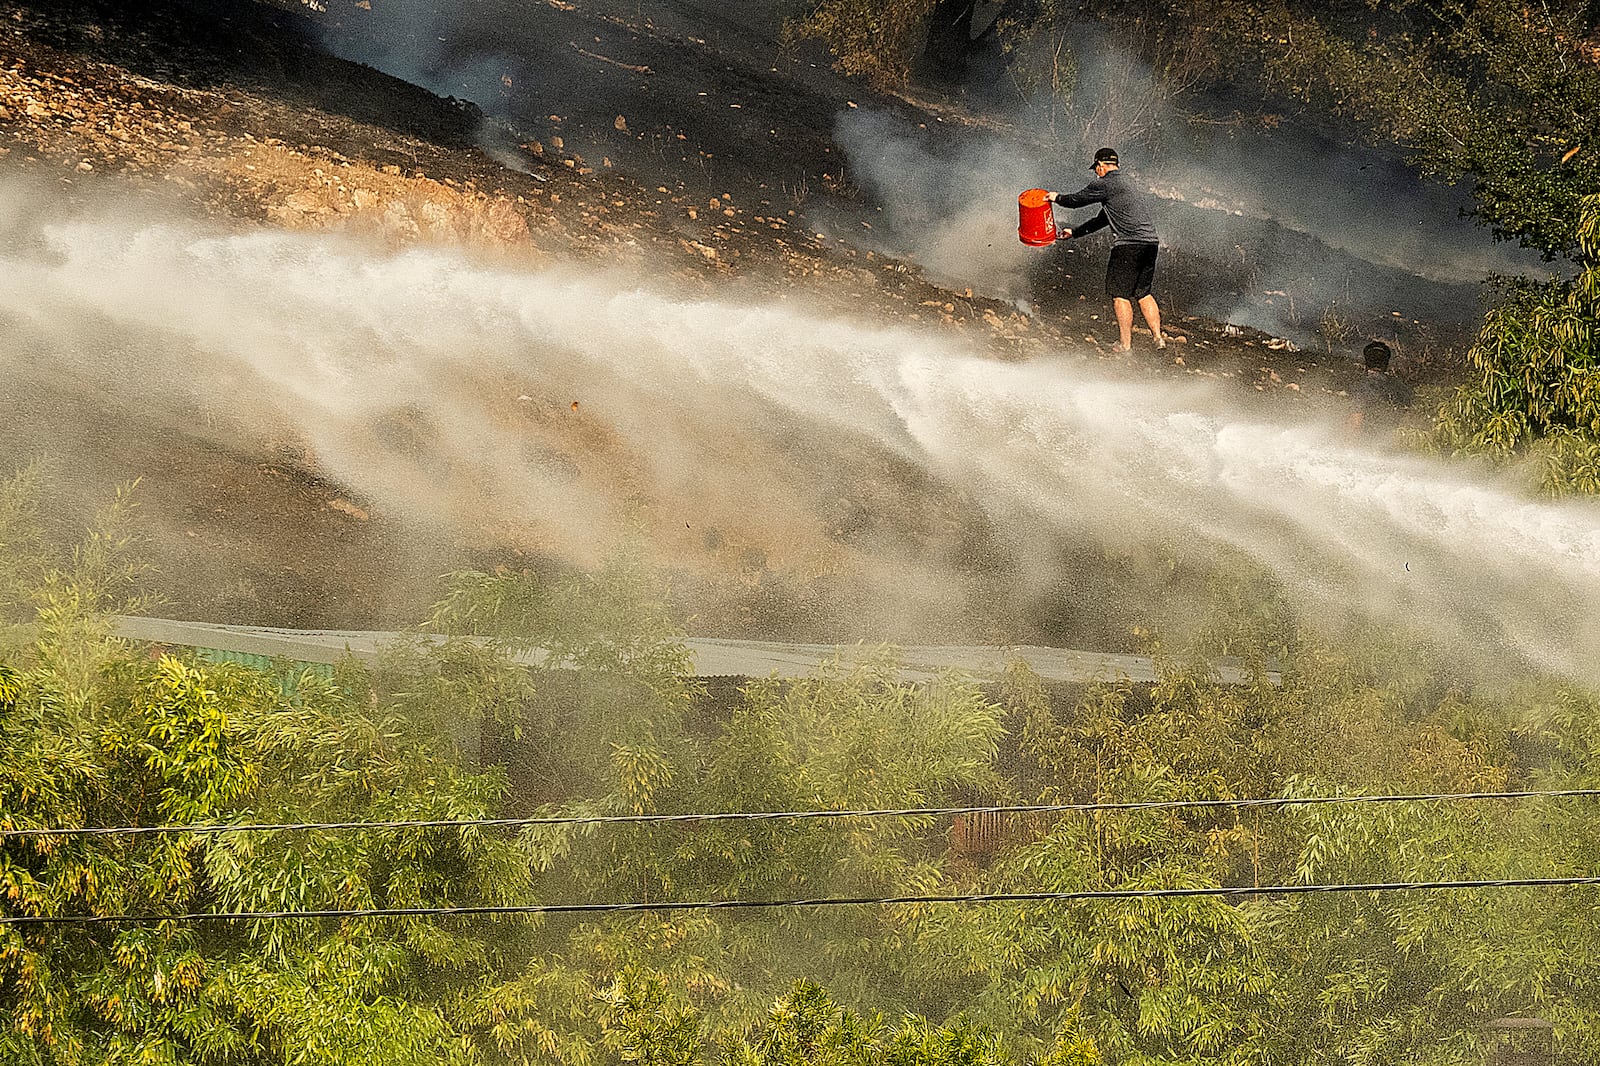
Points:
[807,1028]
[1338,978]
[1536,386]
[612,724]
[877,39]
[75,598]
[181,742]
[23,558]
[189,746]
[613,621]
[642,1023]
[10,688]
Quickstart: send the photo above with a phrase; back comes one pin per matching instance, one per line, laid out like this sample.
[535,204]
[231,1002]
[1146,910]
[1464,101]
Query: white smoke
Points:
[954,215]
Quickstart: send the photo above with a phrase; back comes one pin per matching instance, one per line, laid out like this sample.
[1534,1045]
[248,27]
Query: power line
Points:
[756,816]
[780,904]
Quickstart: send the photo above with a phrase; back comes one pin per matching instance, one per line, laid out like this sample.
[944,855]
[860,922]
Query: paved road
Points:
[712,657]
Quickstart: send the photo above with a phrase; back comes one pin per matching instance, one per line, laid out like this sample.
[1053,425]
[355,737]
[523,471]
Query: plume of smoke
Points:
[453,50]
[1376,237]
[1301,224]
[948,189]
[954,212]
[436,46]
[1365,203]
[401,372]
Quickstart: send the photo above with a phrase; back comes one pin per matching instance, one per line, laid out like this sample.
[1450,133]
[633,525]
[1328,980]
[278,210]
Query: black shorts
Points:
[1131,270]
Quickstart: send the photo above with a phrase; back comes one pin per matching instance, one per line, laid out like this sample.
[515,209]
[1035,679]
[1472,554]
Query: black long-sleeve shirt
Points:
[1125,209]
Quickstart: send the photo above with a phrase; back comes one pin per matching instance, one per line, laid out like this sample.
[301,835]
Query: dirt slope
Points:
[232,108]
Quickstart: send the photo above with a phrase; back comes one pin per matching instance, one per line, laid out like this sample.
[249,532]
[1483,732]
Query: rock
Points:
[503,223]
[397,219]
[436,217]
[345,507]
[308,203]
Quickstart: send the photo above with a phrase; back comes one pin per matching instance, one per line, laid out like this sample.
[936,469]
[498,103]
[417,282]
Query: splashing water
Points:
[752,413]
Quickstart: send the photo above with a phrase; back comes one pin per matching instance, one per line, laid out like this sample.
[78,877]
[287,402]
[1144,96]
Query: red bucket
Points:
[1036,223]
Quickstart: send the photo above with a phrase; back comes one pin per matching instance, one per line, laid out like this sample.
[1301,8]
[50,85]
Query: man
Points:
[1379,396]
[1131,270]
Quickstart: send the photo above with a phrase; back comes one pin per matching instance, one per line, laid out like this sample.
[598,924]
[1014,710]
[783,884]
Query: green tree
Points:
[1348,979]
[1535,390]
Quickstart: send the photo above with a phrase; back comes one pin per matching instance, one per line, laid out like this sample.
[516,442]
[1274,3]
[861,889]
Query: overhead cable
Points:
[790,904]
[758,816]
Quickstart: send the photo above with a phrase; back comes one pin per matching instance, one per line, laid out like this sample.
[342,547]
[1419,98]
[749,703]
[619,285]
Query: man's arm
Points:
[1098,222]
[1092,193]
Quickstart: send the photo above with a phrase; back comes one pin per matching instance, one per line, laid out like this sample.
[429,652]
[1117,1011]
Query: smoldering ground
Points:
[1254,245]
[704,98]
[1278,229]
[1273,228]
[555,408]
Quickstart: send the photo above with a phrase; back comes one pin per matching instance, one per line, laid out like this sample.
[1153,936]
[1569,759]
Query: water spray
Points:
[759,416]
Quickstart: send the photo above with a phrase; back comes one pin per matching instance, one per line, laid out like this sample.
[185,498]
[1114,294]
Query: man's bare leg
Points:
[1124,310]
[1152,318]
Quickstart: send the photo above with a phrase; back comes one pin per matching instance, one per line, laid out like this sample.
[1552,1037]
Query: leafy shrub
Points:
[876,39]
[1536,366]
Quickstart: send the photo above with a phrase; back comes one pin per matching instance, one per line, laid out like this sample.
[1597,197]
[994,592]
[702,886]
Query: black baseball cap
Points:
[1106,155]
